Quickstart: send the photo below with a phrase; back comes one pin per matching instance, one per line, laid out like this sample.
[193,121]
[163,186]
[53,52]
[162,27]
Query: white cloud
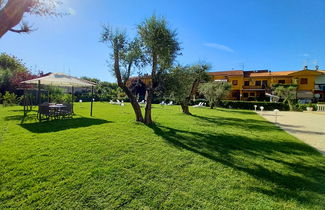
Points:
[72,11]
[305,55]
[219,47]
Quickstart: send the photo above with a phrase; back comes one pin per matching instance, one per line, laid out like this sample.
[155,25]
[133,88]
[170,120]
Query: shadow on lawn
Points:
[251,155]
[239,111]
[59,125]
[249,124]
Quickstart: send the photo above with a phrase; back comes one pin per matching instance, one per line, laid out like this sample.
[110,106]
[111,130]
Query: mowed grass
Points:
[215,159]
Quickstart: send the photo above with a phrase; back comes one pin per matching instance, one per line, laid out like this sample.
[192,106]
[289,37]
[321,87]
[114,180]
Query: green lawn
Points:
[221,159]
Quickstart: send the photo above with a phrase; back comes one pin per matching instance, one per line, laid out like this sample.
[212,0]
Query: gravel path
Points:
[307,126]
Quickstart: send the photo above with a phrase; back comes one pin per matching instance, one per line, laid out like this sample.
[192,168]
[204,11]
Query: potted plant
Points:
[309,107]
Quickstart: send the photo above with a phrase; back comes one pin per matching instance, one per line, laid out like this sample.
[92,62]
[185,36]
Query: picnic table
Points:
[49,111]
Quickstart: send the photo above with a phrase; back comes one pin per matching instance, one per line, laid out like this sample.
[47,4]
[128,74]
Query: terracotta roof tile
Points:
[269,74]
[227,73]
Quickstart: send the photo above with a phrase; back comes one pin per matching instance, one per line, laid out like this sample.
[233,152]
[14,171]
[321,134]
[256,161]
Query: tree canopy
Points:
[12,13]
[288,94]
[215,91]
[181,83]
[12,72]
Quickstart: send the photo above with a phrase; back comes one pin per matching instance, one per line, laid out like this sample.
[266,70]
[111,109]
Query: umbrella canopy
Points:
[61,80]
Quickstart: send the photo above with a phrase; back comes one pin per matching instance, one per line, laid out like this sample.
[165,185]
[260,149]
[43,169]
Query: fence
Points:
[321,107]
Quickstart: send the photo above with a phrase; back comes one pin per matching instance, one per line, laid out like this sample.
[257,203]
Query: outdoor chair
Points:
[199,105]
[66,111]
[44,111]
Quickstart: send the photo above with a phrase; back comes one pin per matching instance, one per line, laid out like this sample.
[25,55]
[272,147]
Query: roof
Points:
[227,73]
[306,72]
[60,79]
[272,74]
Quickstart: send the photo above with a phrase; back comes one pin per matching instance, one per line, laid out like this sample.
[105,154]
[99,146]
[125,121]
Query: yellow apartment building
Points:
[254,85]
[258,84]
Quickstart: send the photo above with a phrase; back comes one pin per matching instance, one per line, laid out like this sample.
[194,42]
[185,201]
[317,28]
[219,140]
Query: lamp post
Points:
[255,107]
[276,115]
[261,108]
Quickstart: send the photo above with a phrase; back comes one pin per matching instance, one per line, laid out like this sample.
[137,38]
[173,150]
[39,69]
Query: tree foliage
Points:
[215,91]
[12,72]
[12,13]
[181,83]
[103,91]
[288,94]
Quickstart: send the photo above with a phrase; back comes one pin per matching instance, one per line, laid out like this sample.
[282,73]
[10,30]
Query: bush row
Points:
[250,105]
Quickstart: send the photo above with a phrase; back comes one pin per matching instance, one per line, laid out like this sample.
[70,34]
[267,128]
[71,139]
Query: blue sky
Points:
[254,34]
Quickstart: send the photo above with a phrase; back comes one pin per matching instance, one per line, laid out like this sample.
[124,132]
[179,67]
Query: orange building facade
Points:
[257,85]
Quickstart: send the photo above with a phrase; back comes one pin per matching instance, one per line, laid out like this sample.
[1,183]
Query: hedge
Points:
[250,105]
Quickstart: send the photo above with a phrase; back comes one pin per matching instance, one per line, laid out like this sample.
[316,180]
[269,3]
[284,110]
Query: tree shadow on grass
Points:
[250,155]
[247,124]
[59,125]
[239,111]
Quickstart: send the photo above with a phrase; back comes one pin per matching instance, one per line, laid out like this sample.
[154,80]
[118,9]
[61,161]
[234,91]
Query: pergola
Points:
[61,80]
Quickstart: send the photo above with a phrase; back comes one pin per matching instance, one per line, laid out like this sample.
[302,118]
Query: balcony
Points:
[254,87]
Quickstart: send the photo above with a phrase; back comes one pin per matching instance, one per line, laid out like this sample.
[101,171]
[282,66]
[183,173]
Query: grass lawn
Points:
[221,159]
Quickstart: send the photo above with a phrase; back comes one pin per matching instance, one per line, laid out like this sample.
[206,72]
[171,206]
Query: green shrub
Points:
[10,99]
[303,107]
[250,105]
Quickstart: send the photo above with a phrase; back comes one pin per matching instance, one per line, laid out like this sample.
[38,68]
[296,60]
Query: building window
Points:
[281,81]
[257,83]
[251,94]
[246,83]
[234,94]
[245,95]
[303,81]
[235,82]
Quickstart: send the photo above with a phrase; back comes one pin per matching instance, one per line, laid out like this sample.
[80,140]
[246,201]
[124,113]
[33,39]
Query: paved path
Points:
[307,126]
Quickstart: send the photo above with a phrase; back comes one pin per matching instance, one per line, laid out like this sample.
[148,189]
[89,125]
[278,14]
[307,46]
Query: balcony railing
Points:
[255,87]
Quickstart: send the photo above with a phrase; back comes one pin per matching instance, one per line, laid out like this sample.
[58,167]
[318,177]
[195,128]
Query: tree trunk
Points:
[212,106]
[152,85]
[135,105]
[12,14]
[147,117]
[290,105]
[133,100]
[185,108]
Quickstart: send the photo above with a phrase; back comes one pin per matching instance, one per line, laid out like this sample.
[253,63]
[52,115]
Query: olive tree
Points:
[126,55]
[182,82]
[288,94]
[215,91]
[161,47]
